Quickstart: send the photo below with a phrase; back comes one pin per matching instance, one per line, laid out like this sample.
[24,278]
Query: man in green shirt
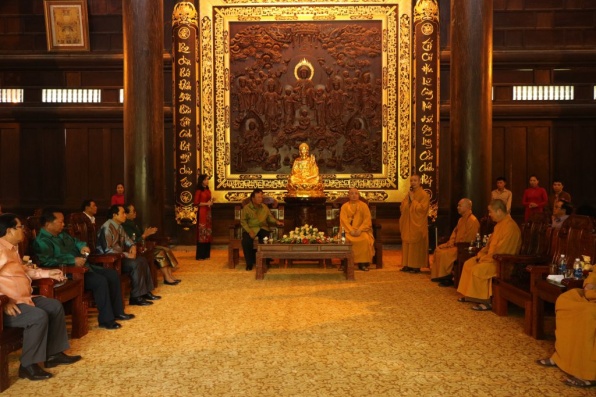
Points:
[54,247]
[255,221]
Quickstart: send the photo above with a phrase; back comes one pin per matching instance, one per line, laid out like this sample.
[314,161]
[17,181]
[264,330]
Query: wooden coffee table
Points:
[305,252]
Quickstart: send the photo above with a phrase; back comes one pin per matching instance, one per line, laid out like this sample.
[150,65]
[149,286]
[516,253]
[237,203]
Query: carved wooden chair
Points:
[235,244]
[487,226]
[518,274]
[71,294]
[333,209]
[11,340]
[81,228]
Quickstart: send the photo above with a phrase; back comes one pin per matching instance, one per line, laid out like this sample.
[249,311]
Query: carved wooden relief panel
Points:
[337,77]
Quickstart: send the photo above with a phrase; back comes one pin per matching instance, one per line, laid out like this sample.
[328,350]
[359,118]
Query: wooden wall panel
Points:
[76,172]
[9,160]
[42,164]
[574,148]
[538,153]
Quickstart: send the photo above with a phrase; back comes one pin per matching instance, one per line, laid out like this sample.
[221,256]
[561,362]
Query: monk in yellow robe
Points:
[475,283]
[575,347]
[413,226]
[355,219]
[446,254]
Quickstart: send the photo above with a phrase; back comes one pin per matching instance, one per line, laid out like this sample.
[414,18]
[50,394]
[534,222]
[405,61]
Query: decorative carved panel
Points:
[335,76]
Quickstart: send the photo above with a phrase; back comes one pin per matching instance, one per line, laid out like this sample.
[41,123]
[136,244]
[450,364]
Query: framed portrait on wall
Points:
[67,25]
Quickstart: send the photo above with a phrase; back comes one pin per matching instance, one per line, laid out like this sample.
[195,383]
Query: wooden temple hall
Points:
[407,101]
[153,93]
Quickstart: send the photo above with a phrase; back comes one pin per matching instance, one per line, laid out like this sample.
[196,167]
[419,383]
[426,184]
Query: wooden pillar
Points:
[471,102]
[143,109]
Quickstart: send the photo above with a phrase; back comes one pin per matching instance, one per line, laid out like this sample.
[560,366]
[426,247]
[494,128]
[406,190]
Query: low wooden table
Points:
[547,291]
[305,252]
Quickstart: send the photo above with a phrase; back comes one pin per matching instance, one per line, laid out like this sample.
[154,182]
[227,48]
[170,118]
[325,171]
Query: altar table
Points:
[305,252]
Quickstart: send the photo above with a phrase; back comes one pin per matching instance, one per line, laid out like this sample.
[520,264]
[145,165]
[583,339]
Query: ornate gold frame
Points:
[215,157]
[69,32]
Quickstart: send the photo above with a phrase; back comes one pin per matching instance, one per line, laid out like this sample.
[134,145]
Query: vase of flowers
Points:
[306,234]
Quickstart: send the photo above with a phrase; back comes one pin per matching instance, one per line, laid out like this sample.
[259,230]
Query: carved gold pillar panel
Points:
[335,75]
[184,71]
[426,97]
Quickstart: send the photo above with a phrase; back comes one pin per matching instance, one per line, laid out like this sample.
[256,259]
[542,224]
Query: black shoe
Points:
[166,282]
[362,267]
[139,301]
[405,269]
[114,325]
[150,297]
[248,268]
[438,279]
[446,283]
[33,372]
[177,280]
[125,316]
[413,270]
[61,359]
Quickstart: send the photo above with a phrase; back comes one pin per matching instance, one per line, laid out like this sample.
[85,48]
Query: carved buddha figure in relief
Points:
[304,179]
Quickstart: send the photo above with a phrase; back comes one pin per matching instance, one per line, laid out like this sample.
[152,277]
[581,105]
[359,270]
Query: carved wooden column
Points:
[471,102]
[143,109]
[427,98]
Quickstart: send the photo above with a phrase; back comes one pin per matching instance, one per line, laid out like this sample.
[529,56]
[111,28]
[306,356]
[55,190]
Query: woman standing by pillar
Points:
[204,202]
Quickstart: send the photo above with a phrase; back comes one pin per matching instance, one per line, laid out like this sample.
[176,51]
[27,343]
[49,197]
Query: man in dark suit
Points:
[112,239]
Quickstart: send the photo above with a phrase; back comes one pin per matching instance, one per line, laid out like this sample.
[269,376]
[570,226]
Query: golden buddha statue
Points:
[304,179]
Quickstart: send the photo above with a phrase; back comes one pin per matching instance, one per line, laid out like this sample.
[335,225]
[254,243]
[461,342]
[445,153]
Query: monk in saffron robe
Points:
[475,283]
[413,226]
[355,219]
[575,347]
[446,254]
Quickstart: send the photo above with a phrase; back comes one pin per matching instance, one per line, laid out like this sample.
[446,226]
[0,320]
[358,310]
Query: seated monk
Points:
[475,283]
[304,180]
[575,350]
[446,254]
[355,219]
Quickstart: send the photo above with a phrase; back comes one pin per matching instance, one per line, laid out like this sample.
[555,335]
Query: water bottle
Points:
[134,237]
[578,270]
[563,265]
[478,241]
[343,235]
[484,240]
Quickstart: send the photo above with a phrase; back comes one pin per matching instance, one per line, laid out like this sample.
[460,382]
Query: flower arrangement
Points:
[306,234]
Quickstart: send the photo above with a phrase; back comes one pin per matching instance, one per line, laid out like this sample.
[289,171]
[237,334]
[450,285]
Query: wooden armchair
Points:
[70,294]
[235,244]
[487,226]
[333,209]
[11,340]
[513,282]
[80,227]
[518,274]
